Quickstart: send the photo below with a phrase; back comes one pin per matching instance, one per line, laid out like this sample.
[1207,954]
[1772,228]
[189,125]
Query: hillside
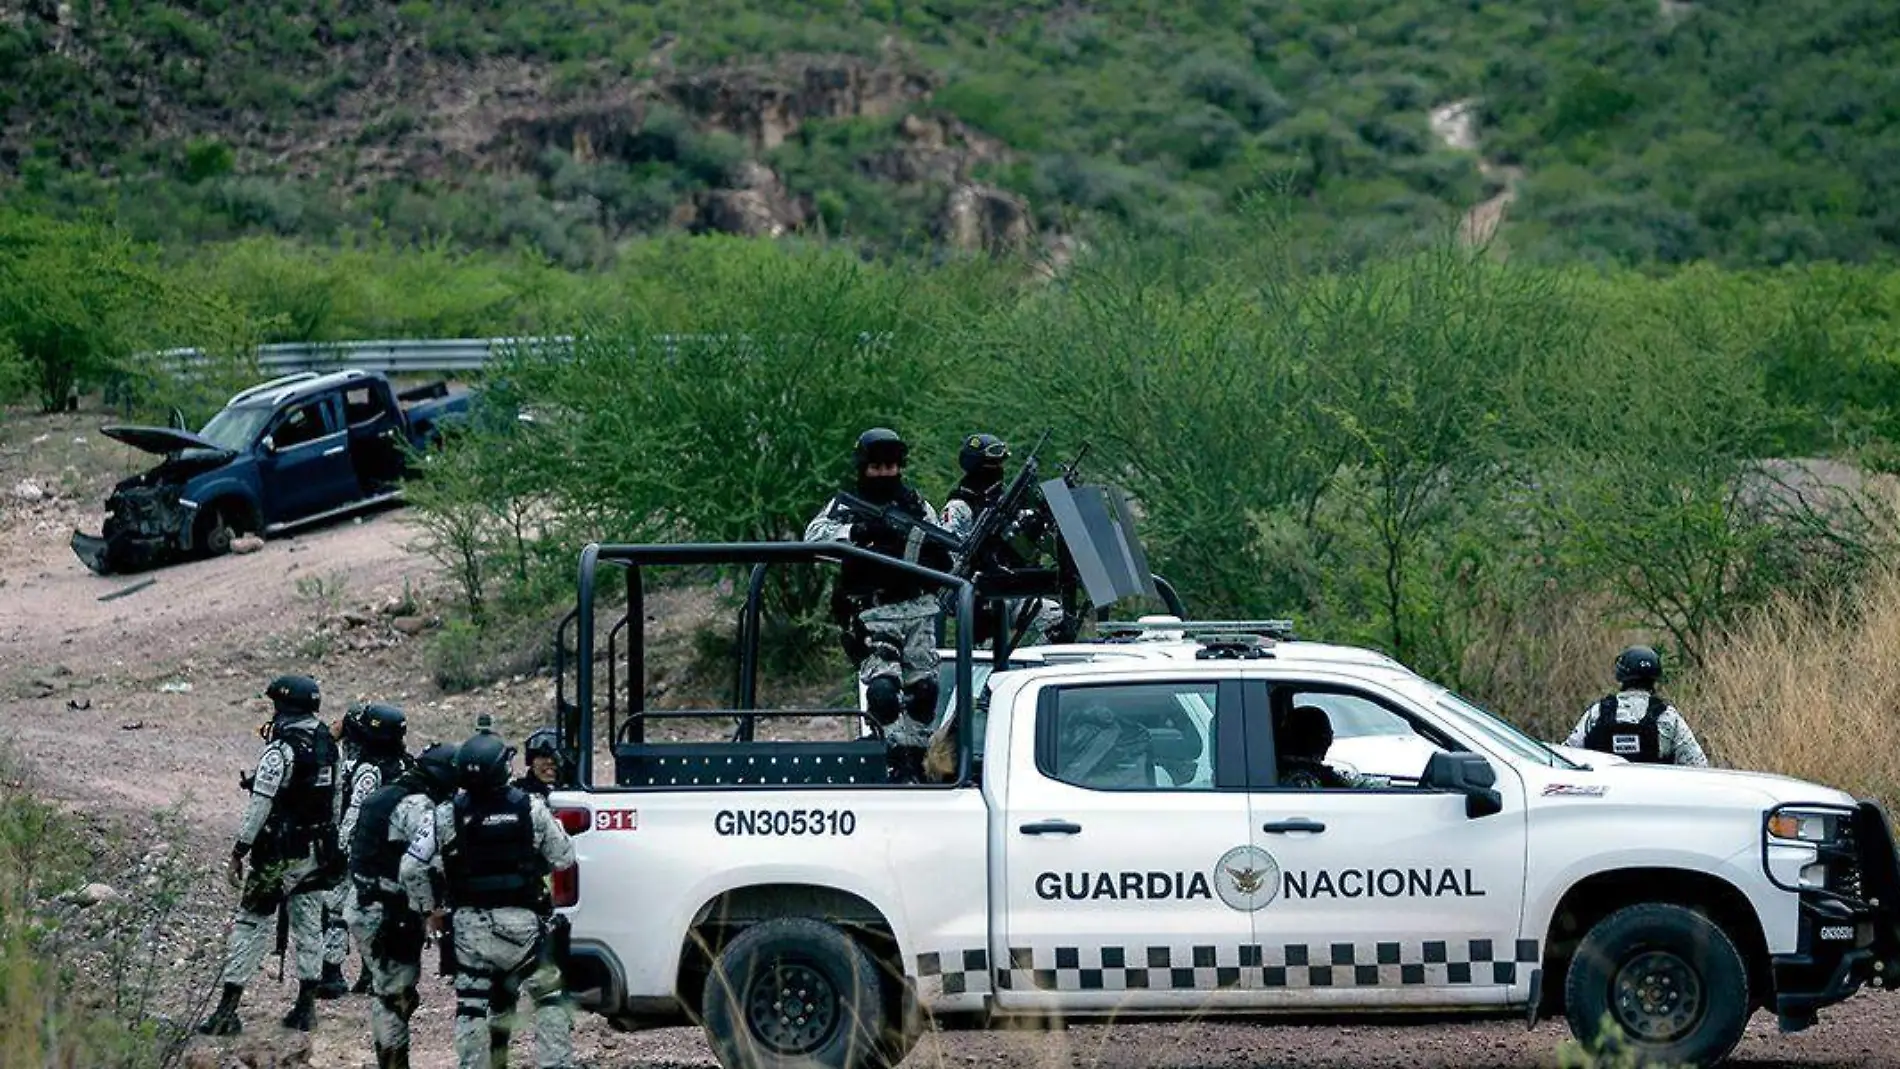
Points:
[1746,132]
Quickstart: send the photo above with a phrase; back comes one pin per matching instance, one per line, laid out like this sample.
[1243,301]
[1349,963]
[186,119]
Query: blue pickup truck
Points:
[283,454]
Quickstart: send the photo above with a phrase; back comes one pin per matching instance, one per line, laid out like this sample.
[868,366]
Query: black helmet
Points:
[544,742]
[482,762]
[982,451]
[435,767]
[881,445]
[1638,664]
[294,694]
[375,724]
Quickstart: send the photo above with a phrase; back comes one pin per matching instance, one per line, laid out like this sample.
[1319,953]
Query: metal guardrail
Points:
[403,356]
[392,356]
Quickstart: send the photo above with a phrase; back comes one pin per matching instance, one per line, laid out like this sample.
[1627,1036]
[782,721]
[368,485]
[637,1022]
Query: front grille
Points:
[1843,863]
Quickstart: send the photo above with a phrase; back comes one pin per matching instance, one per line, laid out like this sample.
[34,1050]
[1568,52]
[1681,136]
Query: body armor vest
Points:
[870,585]
[374,857]
[1640,742]
[978,500]
[492,864]
[305,806]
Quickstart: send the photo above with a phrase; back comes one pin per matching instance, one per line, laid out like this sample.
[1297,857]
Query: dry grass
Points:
[1810,691]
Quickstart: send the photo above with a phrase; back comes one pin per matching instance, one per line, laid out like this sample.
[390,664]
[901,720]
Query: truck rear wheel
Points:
[1669,978]
[794,993]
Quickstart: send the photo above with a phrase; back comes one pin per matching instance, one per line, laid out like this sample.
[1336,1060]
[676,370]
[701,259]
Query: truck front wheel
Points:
[794,993]
[1667,977]
[219,524]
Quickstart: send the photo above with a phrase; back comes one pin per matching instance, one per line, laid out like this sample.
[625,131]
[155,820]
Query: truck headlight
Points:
[1807,827]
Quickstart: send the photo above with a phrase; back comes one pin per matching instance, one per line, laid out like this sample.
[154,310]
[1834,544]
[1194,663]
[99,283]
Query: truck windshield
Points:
[236,428]
[1498,730]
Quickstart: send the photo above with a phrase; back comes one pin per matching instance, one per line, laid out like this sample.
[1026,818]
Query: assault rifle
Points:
[900,521]
[1013,515]
[283,934]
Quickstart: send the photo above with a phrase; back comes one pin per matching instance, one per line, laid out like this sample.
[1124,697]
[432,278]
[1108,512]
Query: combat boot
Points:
[392,1058]
[362,982]
[303,1016]
[332,984]
[224,1020]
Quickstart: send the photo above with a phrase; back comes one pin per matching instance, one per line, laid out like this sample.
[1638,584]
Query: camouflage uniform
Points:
[1301,774]
[1675,743]
[387,928]
[360,778]
[500,937]
[289,836]
[889,622]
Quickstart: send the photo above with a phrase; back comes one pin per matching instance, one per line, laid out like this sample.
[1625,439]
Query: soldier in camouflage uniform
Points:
[981,457]
[544,764]
[1636,723]
[387,928]
[371,738]
[1303,739]
[492,848]
[887,621]
[289,837]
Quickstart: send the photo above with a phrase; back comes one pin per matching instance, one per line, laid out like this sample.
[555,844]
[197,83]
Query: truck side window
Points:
[303,423]
[1327,737]
[359,406]
[1130,736]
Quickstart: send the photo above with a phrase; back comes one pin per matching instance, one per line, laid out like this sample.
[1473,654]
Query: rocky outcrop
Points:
[978,217]
[757,206]
[936,148]
[765,105]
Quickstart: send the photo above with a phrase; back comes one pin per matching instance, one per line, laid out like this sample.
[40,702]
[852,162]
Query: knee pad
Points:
[471,1000]
[883,700]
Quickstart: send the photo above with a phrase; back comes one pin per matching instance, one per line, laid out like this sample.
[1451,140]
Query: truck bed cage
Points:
[742,762]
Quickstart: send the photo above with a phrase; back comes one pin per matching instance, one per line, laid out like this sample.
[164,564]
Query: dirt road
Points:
[146,702]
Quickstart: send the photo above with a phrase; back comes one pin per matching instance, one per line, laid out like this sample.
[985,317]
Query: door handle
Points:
[1051,827]
[334,450]
[1281,827]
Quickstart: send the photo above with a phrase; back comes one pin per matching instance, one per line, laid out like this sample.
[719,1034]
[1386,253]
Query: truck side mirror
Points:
[269,444]
[1468,774]
[177,420]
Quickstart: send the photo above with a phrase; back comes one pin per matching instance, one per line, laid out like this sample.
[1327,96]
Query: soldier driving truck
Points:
[1186,870]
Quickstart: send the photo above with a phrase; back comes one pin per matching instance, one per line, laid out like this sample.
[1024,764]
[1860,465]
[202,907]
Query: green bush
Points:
[79,301]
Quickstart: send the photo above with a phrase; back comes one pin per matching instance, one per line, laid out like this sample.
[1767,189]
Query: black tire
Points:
[216,531]
[1668,977]
[836,1021]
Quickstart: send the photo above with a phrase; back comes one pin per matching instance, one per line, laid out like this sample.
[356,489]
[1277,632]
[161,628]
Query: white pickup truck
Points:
[1117,842]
